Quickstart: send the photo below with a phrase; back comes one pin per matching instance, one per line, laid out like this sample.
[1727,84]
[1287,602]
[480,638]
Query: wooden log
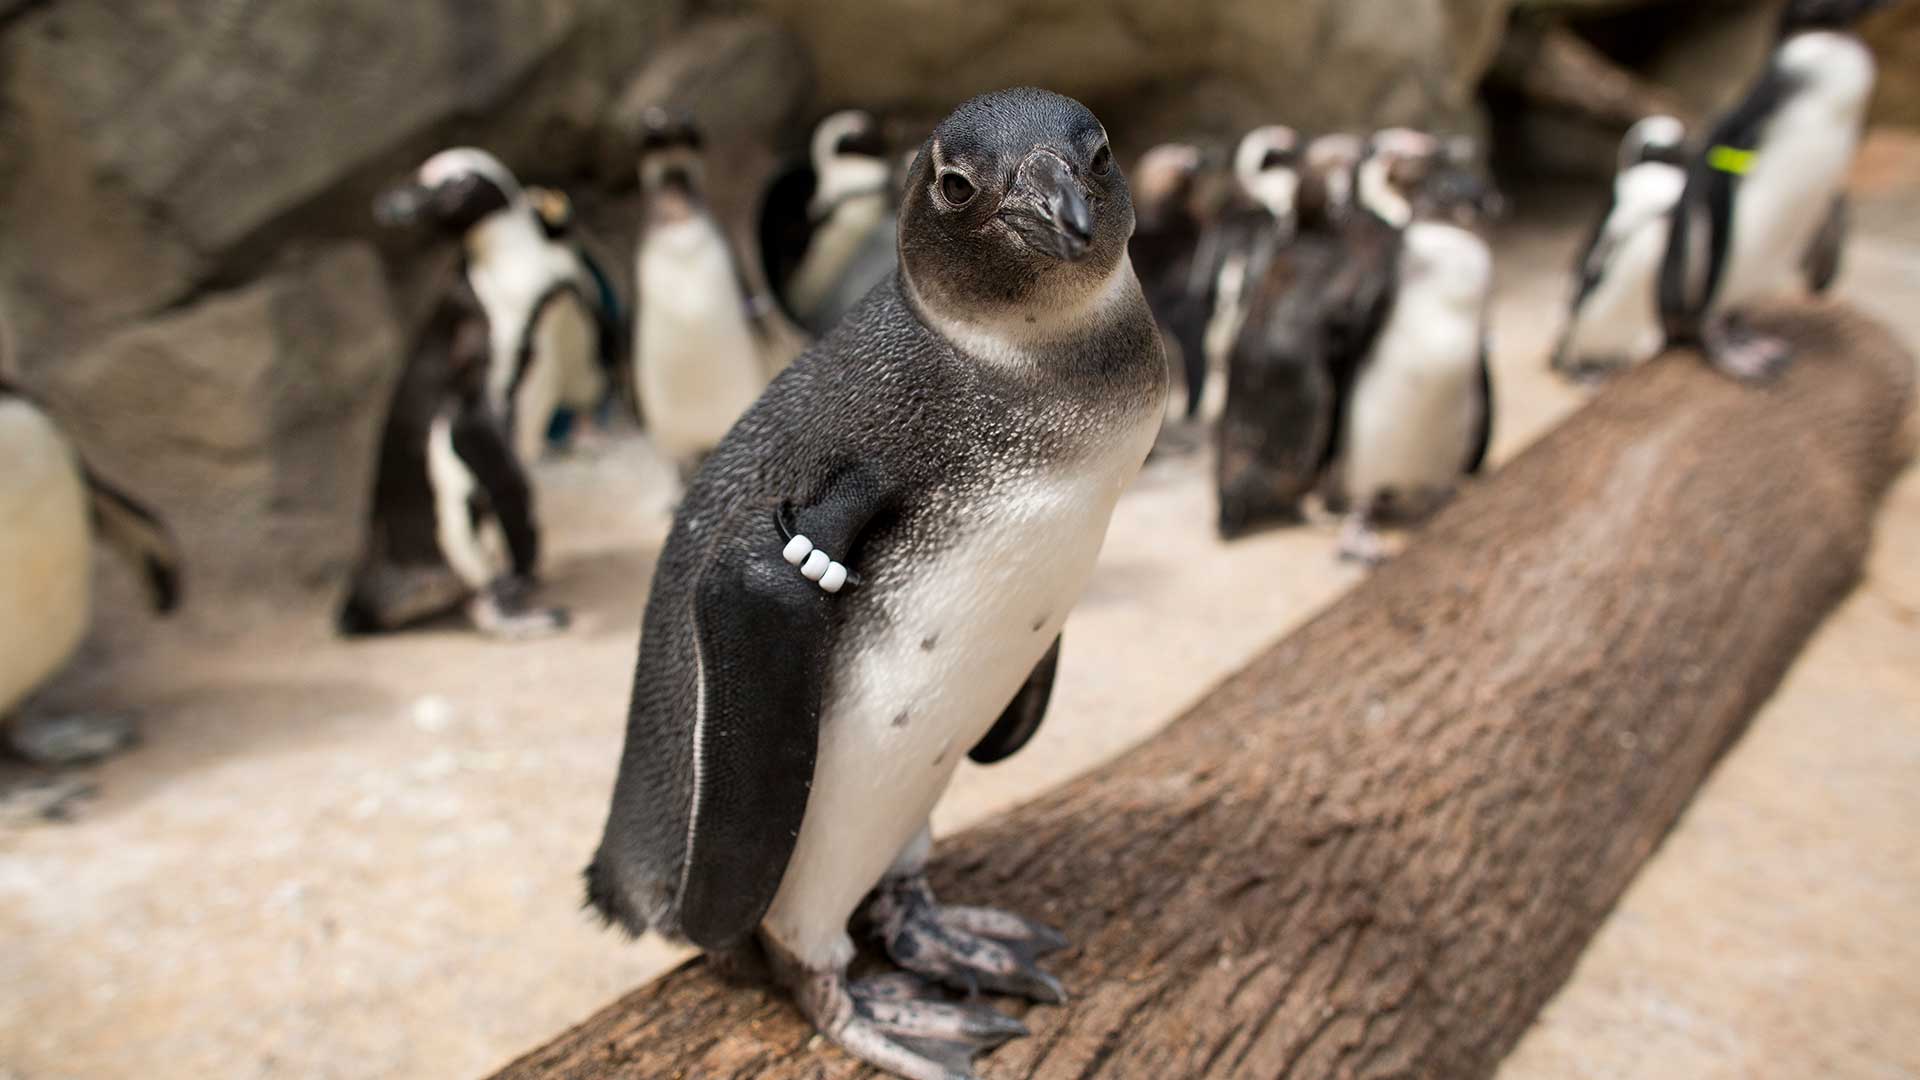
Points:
[1380,847]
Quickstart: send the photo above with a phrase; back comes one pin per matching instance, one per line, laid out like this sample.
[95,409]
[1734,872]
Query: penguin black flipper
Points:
[785,228]
[139,536]
[1483,426]
[483,447]
[764,636]
[1023,714]
[1822,263]
[1591,265]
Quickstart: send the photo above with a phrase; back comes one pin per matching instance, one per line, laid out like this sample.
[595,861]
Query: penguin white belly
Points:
[45,547]
[511,266]
[1800,165]
[964,633]
[476,555]
[563,369]
[832,248]
[699,367]
[1416,403]
[1619,321]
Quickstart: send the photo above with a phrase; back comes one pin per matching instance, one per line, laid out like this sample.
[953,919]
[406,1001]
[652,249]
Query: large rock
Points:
[1152,68]
[250,420]
[150,147]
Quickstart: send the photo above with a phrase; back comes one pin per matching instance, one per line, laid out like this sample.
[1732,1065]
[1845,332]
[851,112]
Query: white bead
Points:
[835,577]
[797,549]
[816,565]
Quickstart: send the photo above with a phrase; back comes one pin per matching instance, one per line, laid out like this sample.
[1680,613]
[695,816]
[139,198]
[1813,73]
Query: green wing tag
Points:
[1730,159]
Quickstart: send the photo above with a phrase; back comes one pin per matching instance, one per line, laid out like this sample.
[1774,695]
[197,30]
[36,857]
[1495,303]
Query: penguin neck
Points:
[509,233]
[1015,337]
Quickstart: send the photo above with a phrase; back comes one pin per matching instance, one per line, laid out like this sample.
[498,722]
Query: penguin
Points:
[538,299]
[1168,256]
[827,226]
[867,581]
[452,521]
[52,508]
[697,350]
[1260,218]
[560,223]
[1761,186]
[1614,318]
[1417,409]
[1277,422]
[1327,174]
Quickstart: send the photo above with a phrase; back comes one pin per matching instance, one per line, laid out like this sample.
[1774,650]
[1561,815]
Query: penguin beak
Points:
[1048,209]
[400,206]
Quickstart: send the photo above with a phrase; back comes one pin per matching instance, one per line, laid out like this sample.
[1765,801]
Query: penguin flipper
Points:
[484,448]
[1822,263]
[139,536]
[764,632]
[1023,714]
[1483,425]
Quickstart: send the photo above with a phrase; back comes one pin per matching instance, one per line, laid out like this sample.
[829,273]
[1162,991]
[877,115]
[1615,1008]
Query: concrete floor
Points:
[360,859]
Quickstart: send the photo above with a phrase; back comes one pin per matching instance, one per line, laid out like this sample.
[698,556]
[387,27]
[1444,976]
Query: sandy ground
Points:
[360,859]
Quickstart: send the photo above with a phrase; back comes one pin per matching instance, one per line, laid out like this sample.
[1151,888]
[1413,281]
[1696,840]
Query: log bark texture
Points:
[1380,847]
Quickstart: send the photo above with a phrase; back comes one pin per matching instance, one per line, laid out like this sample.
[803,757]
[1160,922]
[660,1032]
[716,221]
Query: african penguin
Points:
[1761,186]
[697,354]
[1614,320]
[538,299]
[1169,252]
[867,581]
[52,506]
[558,220]
[1258,219]
[1276,427]
[827,227]
[1417,409]
[452,506]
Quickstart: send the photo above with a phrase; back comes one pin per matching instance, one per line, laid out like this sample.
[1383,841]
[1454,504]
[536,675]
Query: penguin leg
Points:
[501,610]
[1358,540]
[895,1022]
[965,948]
[1737,349]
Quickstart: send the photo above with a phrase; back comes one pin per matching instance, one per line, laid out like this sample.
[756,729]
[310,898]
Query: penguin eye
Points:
[955,188]
[1103,160]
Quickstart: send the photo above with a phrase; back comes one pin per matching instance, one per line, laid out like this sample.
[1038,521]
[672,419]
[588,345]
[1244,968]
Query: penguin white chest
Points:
[699,368]
[964,632]
[44,552]
[1416,404]
[1800,166]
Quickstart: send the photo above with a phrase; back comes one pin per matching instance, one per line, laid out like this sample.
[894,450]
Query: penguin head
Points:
[849,157]
[1015,200]
[1457,188]
[1266,164]
[1657,138]
[1394,165]
[451,192]
[1803,15]
[1164,181]
[670,149]
[1326,182]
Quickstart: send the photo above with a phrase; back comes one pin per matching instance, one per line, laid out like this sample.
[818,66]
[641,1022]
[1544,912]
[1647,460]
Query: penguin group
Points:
[1700,229]
[1332,304]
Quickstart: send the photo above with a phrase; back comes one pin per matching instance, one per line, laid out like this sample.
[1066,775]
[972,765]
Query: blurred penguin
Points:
[827,226]
[1615,317]
[1169,235]
[697,351]
[538,300]
[1763,185]
[558,218]
[52,508]
[1258,220]
[1417,415]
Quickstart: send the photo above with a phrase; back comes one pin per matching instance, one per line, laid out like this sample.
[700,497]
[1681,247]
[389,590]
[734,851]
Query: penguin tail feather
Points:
[605,898]
[140,537]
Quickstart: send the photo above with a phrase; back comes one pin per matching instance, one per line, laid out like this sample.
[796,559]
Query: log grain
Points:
[1380,847]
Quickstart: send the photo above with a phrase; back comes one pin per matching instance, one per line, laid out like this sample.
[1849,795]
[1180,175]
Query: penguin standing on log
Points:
[1761,188]
[1614,320]
[1418,409]
[827,226]
[453,519]
[52,507]
[868,579]
[538,299]
[697,350]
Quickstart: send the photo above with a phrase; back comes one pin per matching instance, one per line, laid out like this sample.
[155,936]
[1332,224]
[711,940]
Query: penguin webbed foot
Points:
[1360,543]
[1744,353]
[900,1024]
[503,610]
[965,948]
